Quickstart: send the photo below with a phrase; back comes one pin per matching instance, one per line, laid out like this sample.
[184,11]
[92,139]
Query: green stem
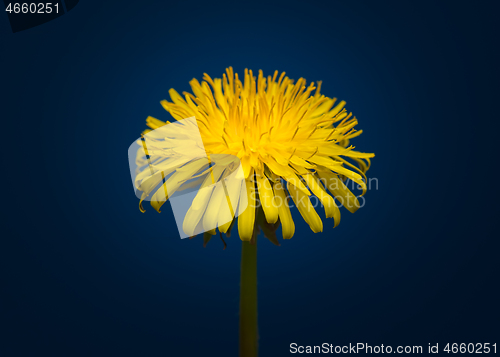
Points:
[248,300]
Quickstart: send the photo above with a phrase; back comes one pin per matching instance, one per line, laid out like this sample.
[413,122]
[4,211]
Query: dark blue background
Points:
[83,272]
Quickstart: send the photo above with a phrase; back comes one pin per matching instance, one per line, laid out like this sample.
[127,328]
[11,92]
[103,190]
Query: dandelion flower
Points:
[292,141]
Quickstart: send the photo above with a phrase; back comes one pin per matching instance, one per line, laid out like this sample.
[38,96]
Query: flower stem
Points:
[248,300]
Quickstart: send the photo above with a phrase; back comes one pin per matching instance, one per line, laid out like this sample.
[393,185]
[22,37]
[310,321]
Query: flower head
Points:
[292,141]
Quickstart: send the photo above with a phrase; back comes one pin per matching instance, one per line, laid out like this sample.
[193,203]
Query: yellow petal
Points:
[143,196]
[205,206]
[245,165]
[306,209]
[281,199]
[246,220]
[175,181]
[196,211]
[340,191]
[233,189]
[266,196]
[212,213]
[331,209]
[352,175]
[154,123]
[337,108]
[295,180]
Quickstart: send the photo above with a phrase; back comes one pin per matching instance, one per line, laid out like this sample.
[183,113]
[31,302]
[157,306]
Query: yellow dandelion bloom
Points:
[291,140]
